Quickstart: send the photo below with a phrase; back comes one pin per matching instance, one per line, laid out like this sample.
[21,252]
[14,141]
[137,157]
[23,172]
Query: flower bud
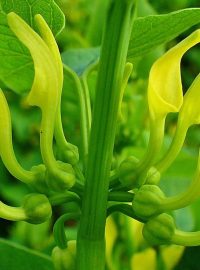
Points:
[147,201]
[37,208]
[70,154]
[153,176]
[159,230]
[126,171]
[39,184]
[61,177]
[64,259]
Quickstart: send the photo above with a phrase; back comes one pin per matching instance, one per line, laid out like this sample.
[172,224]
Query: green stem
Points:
[154,146]
[66,197]
[120,196]
[86,95]
[186,238]
[12,213]
[87,113]
[70,151]
[95,28]
[46,138]
[84,110]
[91,242]
[124,209]
[175,147]
[59,229]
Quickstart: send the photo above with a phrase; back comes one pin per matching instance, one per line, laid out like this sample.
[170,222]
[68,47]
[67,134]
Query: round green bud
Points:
[61,177]
[153,176]
[126,172]
[159,230]
[37,208]
[40,173]
[147,201]
[64,259]
[69,154]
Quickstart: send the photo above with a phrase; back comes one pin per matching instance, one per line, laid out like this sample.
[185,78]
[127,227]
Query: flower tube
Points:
[70,151]
[164,95]
[45,94]
[189,115]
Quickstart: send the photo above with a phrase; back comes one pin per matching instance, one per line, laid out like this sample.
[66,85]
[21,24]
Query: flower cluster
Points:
[57,182]
[165,95]
[45,93]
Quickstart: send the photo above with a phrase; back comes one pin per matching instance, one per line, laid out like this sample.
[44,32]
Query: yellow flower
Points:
[165,87]
[46,90]
[190,110]
[164,96]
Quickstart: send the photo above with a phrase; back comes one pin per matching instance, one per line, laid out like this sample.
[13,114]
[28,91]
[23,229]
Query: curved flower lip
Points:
[45,71]
[165,86]
[190,110]
[49,39]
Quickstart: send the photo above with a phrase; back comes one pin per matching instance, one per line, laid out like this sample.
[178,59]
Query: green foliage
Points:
[84,28]
[152,31]
[19,257]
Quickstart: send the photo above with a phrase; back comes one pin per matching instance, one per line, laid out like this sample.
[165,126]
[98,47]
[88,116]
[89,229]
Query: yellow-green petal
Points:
[45,83]
[46,89]
[165,86]
[6,146]
[70,151]
[190,110]
[49,39]
[44,92]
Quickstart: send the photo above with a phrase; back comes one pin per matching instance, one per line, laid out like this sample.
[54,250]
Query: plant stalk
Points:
[90,241]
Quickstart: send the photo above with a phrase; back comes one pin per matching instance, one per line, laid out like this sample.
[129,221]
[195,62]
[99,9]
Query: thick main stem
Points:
[91,243]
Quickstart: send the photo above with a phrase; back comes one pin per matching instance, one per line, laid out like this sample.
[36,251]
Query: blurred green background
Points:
[126,247]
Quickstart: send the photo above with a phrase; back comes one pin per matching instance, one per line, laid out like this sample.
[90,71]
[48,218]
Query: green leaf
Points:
[27,9]
[16,69]
[148,33]
[14,256]
[80,59]
[152,31]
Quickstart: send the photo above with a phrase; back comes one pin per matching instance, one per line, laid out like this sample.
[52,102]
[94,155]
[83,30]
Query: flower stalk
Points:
[91,242]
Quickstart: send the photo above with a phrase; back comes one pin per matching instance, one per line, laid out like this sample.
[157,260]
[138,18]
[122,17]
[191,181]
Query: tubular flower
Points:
[70,151]
[164,96]
[189,115]
[46,89]
[165,87]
